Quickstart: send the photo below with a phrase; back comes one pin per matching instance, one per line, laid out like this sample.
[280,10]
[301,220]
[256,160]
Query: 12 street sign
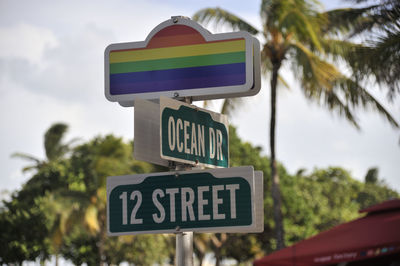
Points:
[193,135]
[179,58]
[216,200]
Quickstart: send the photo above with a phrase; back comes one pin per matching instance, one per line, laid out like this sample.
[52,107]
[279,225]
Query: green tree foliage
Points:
[374,190]
[372,176]
[319,201]
[24,225]
[61,209]
[91,164]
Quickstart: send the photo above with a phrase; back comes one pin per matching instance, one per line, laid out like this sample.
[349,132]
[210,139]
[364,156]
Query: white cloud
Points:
[26,41]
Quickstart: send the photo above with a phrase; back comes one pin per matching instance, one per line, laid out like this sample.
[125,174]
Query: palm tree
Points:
[298,32]
[54,147]
[47,178]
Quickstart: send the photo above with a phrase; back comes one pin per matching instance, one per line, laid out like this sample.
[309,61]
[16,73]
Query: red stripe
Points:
[176,30]
[176,40]
[175,35]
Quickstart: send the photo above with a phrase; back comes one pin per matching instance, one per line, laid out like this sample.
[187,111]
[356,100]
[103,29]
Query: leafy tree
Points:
[300,33]
[83,204]
[374,190]
[26,233]
[372,176]
[61,209]
[54,147]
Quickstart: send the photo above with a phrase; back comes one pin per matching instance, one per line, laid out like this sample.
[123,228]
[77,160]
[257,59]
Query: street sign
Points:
[215,200]
[179,58]
[192,135]
[146,141]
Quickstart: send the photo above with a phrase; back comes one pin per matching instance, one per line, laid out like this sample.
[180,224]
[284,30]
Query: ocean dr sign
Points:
[179,58]
[193,135]
[215,200]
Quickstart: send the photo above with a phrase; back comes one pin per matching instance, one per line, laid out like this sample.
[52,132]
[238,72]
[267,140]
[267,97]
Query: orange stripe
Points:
[177,40]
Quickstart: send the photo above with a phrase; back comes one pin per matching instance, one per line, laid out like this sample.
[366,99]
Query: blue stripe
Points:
[178,79]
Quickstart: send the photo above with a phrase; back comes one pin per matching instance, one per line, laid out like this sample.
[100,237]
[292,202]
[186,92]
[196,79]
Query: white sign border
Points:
[245,172]
[166,102]
[249,88]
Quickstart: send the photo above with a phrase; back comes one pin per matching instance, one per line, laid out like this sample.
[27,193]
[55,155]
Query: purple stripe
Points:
[178,79]
[181,84]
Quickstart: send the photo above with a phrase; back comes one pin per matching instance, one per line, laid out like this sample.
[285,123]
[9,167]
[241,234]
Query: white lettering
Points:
[217,201]
[171,135]
[186,124]
[201,202]
[161,217]
[212,143]
[219,145]
[179,127]
[187,204]
[171,192]
[193,143]
[232,192]
[200,135]
[136,194]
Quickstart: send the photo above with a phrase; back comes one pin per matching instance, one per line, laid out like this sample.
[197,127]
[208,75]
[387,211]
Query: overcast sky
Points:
[52,70]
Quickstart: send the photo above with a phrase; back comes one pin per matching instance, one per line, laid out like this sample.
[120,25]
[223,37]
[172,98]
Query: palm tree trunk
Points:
[275,190]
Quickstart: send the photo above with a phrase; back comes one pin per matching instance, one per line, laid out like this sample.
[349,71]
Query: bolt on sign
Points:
[179,58]
[193,135]
[215,200]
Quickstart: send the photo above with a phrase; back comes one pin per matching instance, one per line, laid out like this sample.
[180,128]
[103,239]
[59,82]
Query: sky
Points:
[52,70]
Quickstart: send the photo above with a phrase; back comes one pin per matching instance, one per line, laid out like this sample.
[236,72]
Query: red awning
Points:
[376,234]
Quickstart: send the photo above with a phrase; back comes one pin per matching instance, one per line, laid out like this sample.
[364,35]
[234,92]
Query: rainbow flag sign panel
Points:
[180,58]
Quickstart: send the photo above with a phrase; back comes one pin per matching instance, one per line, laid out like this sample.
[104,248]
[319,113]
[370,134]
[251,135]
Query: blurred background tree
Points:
[61,209]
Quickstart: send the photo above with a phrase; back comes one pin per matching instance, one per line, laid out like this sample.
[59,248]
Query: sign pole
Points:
[184,249]
[183,240]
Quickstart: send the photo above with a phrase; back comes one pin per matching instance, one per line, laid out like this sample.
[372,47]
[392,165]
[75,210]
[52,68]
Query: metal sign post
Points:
[184,249]
[183,240]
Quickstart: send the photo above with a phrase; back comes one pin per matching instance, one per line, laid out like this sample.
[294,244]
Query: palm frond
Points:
[339,48]
[385,62]
[223,17]
[283,82]
[381,59]
[357,96]
[26,157]
[52,141]
[346,20]
[315,74]
[294,20]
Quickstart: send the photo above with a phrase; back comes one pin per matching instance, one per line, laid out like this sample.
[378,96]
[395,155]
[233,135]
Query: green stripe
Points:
[178,62]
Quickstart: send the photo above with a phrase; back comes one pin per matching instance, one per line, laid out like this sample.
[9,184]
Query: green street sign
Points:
[215,200]
[193,135]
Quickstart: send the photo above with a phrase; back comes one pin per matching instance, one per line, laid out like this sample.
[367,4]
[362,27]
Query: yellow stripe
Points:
[177,51]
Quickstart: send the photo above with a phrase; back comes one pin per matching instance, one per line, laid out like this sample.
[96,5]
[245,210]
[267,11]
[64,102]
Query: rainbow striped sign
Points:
[179,59]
